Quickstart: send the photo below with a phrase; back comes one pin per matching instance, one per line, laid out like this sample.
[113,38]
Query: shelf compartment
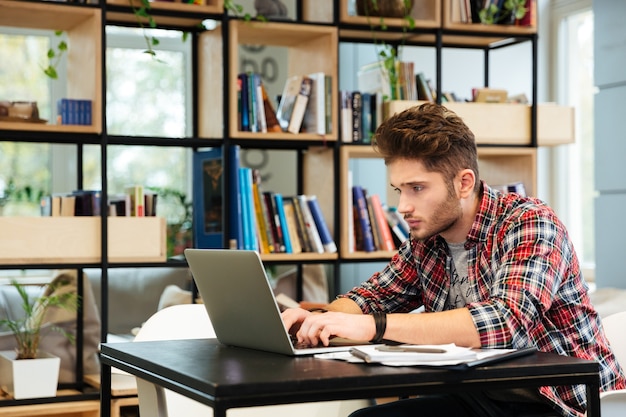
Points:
[348,152]
[309,49]
[485,35]
[507,165]
[497,166]
[427,15]
[84,54]
[167,13]
[47,240]
[507,124]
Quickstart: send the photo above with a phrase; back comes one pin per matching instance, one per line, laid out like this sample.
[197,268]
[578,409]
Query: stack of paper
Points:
[427,355]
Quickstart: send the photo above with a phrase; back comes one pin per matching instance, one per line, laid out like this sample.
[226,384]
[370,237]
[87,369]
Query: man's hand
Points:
[314,328]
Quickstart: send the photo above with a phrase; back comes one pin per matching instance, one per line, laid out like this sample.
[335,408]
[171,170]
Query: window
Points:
[24,173]
[575,87]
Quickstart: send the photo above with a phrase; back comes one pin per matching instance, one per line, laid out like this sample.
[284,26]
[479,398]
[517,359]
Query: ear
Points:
[466,181]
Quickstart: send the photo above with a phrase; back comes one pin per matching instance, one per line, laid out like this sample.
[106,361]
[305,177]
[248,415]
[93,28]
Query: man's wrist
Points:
[380,323]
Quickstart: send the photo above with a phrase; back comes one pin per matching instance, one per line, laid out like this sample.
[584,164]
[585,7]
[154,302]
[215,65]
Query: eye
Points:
[417,188]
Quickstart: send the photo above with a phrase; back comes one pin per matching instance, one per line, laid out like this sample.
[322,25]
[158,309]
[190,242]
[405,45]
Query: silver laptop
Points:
[240,302]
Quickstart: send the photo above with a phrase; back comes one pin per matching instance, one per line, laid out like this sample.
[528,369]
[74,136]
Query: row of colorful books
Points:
[375,226]
[304,106]
[135,202]
[265,221]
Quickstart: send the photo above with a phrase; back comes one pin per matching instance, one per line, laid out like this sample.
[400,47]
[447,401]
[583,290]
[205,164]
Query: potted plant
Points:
[507,14]
[18,367]
[388,55]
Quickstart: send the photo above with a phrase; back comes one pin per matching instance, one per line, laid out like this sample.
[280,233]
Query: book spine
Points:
[235,218]
[249,233]
[282,225]
[292,225]
[311,228]
[265,243]
[328,103]
[252,105]
[208,210]
[260,104]
[372,218]
[242,79]
[346,116]
[302,231]
[357,116]
[327,239]
[362,219]
[299,106]
[274,222]
[386,239]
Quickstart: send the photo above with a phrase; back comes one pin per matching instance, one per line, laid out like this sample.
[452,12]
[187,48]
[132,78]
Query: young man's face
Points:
[426,202]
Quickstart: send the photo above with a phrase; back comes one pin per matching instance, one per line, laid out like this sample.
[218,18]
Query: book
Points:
[311,229]
[315,114]
[423,89]
[266,241]
[300,105]
[270,114]
[328,103]
[372,218]
[363,227]
[303,234]
[282,222]
[292,225]
[235,226]
[250,241]
[396,225]
[345,101]
[386,239]
[260,103]
[208,199]
[288,100]
[87,202]
[318,217]
[367,127]
[252,103]
[243,105]
[273,221]
[357,115]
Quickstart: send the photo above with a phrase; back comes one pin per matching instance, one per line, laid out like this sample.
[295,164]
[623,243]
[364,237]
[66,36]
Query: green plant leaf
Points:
[51,72]
[62,46]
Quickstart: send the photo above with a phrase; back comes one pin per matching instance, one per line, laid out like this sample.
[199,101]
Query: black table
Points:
[228,377]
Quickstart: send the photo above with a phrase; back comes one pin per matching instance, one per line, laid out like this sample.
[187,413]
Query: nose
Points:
[404,206]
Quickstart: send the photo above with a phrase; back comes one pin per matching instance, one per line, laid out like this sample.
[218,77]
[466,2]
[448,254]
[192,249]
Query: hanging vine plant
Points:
[54,56]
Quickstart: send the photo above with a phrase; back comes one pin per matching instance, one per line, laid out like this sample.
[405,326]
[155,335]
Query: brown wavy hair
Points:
[432,134]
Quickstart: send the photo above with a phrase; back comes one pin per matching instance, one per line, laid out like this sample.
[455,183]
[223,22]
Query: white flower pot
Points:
[29,378]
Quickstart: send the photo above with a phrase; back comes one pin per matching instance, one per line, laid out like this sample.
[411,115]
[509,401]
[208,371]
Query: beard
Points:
[445,216]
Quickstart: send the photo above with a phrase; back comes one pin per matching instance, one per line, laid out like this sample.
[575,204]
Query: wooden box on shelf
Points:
[84,54]
[43,240]
[309,49]
[508,124]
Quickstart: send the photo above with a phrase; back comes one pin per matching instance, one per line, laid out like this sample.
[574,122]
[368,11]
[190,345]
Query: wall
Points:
[610,141]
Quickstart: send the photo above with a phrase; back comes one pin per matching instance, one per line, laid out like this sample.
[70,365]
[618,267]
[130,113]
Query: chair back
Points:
[614,326]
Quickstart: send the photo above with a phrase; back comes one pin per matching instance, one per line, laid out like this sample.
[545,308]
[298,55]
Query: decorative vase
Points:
[385,8]
[29,378]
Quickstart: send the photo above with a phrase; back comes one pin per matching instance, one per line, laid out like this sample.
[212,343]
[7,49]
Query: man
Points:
[491,270]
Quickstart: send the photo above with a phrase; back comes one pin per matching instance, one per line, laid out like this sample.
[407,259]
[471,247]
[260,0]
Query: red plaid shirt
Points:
[526,283]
